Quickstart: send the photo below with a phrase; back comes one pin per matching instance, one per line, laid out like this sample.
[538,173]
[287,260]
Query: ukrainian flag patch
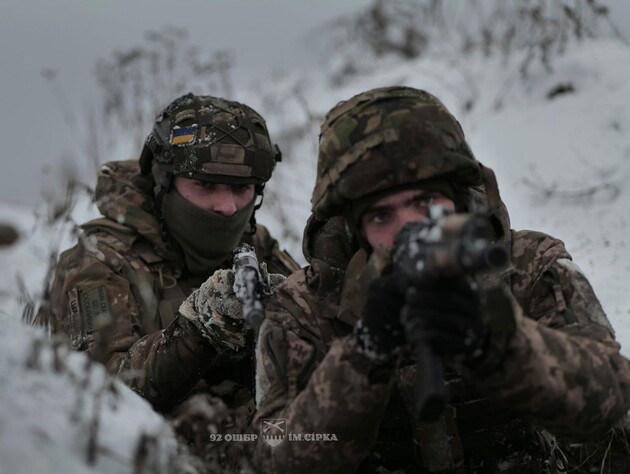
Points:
[183,135]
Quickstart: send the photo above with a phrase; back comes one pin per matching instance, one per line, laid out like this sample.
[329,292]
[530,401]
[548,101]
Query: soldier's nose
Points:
[403,216]
[223,201]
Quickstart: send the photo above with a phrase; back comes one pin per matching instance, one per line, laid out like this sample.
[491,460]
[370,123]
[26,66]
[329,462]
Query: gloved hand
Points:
[217,313]
[445,315]
[379,332]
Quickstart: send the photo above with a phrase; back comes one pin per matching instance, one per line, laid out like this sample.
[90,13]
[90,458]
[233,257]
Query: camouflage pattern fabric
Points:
[561,371]
[202,422]
[544,398]
[117,292]
[212,139]
[385,138]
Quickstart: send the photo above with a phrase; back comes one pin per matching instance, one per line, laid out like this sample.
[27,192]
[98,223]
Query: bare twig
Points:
[609,190]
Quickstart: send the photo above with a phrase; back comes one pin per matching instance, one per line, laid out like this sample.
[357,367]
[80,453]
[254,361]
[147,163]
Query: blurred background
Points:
[62,62]
[56,78]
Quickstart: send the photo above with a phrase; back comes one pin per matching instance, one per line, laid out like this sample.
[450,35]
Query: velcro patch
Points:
[95,308]
[184,135]
[77,335]
[228,153]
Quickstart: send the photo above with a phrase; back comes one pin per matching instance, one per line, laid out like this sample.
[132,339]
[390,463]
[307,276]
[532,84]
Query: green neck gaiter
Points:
[206,238]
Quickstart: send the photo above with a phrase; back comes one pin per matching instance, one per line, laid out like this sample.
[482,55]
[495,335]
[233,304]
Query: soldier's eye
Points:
[203,184]
[241,188]
[377,217]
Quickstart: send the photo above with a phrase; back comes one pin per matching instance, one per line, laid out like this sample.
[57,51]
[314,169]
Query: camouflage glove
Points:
[445,315]
[216,311]
[379,332]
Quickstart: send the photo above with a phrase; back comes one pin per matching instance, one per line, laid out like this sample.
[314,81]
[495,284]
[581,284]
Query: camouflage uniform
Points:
[116,293]
[556,370]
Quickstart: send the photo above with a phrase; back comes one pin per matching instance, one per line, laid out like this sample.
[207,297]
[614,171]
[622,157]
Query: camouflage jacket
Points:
[115,294]
[559,372]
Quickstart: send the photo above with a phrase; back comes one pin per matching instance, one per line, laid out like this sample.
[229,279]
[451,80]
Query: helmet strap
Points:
[167,183]
[165,186]
[149,150]
[353,231]
[260,191]
[492,188]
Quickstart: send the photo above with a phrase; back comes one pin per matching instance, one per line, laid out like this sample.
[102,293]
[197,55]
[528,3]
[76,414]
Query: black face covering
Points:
[206,238]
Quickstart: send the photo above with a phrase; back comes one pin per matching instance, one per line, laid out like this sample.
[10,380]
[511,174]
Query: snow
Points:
[562,165]
[61,410]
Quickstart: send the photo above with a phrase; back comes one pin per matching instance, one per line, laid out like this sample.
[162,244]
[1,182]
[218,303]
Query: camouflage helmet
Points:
[385,138]
[211,139]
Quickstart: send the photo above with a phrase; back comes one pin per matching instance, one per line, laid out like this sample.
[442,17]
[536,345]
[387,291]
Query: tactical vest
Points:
[159,287]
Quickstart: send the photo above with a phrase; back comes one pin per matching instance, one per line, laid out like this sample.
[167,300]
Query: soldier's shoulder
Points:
[534,252]
[295,285]
[300,314]
[101,239]
[108,230]
[292,301]
[291,291]
[535,245]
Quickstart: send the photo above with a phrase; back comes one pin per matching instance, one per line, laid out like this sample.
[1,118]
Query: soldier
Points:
[529,358]
[139,291]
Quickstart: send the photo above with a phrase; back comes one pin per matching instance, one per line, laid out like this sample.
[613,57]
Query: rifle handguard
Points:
[251,283]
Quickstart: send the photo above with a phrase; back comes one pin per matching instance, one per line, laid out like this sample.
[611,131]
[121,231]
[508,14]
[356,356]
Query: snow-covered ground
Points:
[563,165]
[62,413]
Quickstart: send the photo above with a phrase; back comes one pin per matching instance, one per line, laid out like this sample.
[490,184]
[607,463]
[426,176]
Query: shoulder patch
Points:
[75,326]
[95,308]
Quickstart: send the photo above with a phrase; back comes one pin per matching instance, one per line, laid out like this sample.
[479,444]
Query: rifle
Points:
[444,246]
[251,283]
